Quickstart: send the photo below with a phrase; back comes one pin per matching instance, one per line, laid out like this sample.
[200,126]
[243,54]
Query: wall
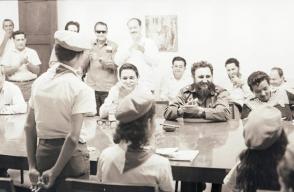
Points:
[258,33]
[9,10]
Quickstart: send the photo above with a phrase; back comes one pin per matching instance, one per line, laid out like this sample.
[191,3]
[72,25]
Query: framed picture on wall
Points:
[163,30]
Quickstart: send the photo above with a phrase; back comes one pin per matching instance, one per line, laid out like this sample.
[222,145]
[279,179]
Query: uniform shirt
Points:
[146,62]
[55,98]
[14,57]
[170,87]
[155,171]
[11,99]
[216,106]
[279,99]
[9,45]
[100,76]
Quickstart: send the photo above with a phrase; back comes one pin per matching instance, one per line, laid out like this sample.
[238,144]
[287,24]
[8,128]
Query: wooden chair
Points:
[79,185]
[6,185]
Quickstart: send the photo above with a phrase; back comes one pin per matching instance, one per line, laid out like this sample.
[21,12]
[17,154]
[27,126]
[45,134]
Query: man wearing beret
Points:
[102,71]
[259,83]
[202,99]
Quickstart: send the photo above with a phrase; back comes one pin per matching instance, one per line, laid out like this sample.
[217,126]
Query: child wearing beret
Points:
[266,143]
[131,160]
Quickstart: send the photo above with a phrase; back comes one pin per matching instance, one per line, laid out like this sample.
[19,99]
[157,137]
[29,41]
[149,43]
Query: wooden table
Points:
[219,145]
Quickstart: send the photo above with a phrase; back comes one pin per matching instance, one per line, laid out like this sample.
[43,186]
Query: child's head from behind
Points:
[135,114]
[266,143]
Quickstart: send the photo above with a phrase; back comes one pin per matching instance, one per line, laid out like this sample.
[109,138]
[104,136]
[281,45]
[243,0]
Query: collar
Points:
[136,157]
[17,51]
[96,43]
[191,88]
[71,69]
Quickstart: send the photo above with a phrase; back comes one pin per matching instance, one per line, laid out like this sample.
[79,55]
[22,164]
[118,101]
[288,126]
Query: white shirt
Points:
[11,100]
[170,86]
[14,57]
[155,171]
[55,98]
[146,62]
[9,45]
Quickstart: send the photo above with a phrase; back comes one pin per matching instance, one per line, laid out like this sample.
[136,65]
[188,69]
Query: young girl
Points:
[286,170]
[128,81]
[131,160]
[266,143]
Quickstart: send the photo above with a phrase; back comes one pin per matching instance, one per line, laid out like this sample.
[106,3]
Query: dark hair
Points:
[258,168]
[136,19]
[18,33]
[128,66]
[256,78]
[64,55]
[280,71]
[232,60]
[201,64]
[136,131]
[72,23]
[179,59]
[286,171]
[100,23]
[5,20]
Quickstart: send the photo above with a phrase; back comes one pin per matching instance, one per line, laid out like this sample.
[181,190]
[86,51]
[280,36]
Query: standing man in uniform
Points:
[102,71]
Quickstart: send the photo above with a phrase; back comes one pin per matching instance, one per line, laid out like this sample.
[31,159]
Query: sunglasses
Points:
[101,32]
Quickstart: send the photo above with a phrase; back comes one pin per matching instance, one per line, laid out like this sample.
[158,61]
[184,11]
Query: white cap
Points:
[72,40]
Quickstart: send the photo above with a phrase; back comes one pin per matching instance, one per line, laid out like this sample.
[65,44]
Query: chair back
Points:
[160,107]
[6,185]
[79,185]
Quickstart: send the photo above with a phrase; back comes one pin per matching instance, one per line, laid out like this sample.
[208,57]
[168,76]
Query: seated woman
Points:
[286,170]
[266,143]
[131,160]
[128,81]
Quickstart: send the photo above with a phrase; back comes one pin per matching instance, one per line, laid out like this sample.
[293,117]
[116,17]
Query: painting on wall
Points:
[163,30]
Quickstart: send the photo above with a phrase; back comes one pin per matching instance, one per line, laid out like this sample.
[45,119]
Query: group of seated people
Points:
[59,99]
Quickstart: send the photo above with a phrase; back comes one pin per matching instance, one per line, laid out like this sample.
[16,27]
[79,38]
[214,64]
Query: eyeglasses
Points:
[101,32]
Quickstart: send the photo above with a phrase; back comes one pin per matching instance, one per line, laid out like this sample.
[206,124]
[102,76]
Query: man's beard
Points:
[204,90]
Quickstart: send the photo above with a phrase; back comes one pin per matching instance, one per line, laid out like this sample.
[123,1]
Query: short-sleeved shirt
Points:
[100,77]
[9,45]
[155,171]
[11,99]
[147,62]
[171,86]
[14,57]
[55,98]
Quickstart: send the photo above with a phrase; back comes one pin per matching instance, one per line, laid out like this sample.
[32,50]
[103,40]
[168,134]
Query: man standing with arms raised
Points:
[142,52]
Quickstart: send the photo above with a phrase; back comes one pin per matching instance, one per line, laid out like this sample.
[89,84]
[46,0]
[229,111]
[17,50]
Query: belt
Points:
[21,81]
[58,141]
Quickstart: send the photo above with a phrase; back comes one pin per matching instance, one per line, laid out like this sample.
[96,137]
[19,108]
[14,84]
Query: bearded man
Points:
[202,99]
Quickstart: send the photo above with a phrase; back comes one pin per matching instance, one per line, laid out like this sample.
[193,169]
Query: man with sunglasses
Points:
[102,71]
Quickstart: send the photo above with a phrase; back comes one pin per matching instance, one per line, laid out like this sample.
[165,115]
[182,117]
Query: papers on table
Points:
[174,154]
